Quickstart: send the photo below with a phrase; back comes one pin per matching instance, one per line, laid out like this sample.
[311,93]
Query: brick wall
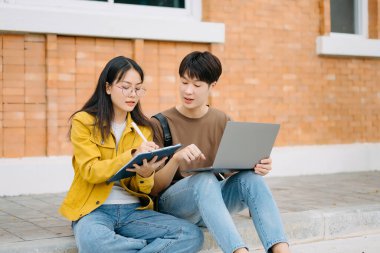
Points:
[271,74]
[45,78]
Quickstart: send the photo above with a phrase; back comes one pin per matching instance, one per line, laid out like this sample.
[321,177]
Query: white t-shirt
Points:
[118,194]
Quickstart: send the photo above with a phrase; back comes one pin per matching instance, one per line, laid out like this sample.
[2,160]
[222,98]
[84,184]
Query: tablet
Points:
[161,153]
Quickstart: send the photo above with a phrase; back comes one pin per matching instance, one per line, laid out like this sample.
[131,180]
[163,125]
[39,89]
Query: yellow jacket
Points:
[94,161]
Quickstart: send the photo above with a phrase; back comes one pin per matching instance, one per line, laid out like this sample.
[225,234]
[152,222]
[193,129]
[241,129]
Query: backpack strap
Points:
[167,142]
[165,128]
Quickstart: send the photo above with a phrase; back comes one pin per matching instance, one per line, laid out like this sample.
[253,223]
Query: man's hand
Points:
[264,167]
[189,154]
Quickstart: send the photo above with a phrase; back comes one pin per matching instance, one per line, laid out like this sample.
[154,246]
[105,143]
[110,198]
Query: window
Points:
[172,20]
[158,3]
[342,14]
[349,17]
[348,34]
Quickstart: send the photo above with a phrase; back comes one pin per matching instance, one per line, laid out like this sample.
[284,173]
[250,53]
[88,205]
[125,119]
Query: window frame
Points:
[344,44]
[108,19]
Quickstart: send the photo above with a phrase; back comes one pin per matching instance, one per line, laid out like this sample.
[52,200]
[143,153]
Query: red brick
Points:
[65,145]
[104,42]
[67,65]
[34,38]
[85,41]
[66,96]
[66,84]
[14,107]
[85,78]
[14,119]
[35,99]
[124,46]
[66,40]
[35,140]
[9,76]
[1,138]
[14,68]
[13,56]
[14,142]
[35,89]
[37,59]
[87,55]
[13,92]
[13,84]
[52,61]
[52,143]
[13,99]
[13,41]
[85,67]
[138,51]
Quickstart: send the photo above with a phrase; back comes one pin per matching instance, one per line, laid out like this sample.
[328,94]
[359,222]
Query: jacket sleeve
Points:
[88,157]
[139,184]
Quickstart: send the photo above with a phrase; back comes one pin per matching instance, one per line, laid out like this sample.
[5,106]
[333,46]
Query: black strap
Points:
[167,142]
[165,128]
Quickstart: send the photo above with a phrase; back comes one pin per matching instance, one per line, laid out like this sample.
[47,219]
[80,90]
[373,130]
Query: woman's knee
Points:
[90,238]
[194,236]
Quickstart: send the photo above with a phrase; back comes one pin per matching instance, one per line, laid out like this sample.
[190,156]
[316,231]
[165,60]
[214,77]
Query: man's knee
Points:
[250,177]
[203,178]
[252,184]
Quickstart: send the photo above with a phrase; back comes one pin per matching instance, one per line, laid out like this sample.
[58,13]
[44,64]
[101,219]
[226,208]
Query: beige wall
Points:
[271,74]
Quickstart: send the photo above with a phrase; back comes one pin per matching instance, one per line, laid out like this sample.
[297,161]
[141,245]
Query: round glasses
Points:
[127,91]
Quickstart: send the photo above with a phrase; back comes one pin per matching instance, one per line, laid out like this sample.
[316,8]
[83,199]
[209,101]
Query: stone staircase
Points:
[313,208]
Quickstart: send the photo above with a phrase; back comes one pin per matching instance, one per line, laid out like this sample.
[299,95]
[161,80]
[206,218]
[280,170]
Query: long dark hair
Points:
[100,105]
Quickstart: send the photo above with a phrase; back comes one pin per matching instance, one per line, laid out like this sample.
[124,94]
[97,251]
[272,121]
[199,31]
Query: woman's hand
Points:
[264,167]
[147,168]
[189,154]
[147,146]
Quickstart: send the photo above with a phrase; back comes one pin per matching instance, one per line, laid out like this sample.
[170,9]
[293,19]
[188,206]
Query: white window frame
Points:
[343,44]
[108,19]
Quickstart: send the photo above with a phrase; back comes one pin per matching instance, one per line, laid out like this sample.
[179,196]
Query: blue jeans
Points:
[203,200]
[122,228]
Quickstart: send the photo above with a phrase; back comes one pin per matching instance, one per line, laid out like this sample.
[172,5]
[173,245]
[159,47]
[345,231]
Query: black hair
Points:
[202,66]
[100,105]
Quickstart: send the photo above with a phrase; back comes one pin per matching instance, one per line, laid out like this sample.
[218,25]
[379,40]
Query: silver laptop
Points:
[243,145]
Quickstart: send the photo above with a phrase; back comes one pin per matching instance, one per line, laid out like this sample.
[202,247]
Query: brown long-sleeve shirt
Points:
[205,132]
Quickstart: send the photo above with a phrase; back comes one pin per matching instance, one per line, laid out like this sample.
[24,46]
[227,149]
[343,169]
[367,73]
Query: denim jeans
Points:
[203,200]
[122,228]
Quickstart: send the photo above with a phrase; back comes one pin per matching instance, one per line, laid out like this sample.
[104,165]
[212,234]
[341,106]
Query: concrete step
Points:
[313,225]
[301,227]
[315,209]
[358,244]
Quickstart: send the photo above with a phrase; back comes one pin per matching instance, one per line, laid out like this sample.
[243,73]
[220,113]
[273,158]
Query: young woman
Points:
[117,217]
[201,198]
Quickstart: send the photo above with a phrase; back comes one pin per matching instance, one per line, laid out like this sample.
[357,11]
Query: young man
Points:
[201,198]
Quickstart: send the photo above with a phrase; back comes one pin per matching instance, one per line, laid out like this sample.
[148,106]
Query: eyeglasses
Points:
[127,91]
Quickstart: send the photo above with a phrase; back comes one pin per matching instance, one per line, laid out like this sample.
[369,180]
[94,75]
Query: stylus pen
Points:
[139,131]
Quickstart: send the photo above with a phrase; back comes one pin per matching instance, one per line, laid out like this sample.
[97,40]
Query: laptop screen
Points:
[244,144]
